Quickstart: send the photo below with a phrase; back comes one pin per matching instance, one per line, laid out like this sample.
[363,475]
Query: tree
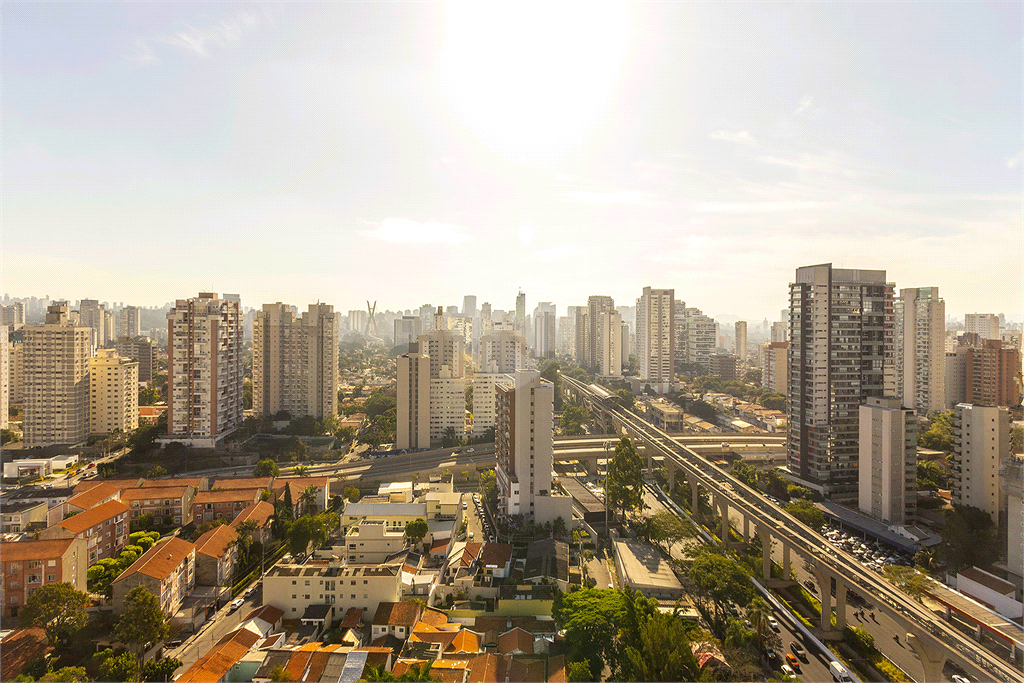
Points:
[662,652]
[590,617]
[907,579]
[266,468]
[301,471]
[746,473]
[351,493]
[246,533]
[805,511]
[8,436]
[758,612]
[1017,439]
[300,535]
[417,673]
[666,529]
[122,667]
[58,609]
[71,674]
[279,675]
[625,398]
[307,500]
[967,538]
[160,669]
[930,476]
[626,478]
[579,672]
[416,530]
[717,581]
[288,504]
[549,371]
[345,433]
[558,528]
[142,622]
[939,435]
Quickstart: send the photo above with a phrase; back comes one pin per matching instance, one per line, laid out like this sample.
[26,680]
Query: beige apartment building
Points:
[56,380]
[292,588]
[295,361]
[920,349]
[128,322]
[888,462]
[775,366]
[5,376]
[113,393]
[372,541]
[981,444]
[104,528]
[167,570]
[204,362]
[741,341]
[143,350]
[413,401]
[28,565]
[656,338]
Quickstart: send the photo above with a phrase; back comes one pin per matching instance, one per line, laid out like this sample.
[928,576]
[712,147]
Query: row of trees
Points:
[102,574]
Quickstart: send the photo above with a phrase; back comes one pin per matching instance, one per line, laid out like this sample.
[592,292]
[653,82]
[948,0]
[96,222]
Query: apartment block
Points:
[56,380]
[216,556]
[104,528]
[204,361]
[21,517]
[13,315]
[294,587]
[595,344]
[413,401]
[920,349]
[780,331]
[223,504]
[444,347]
[697,336]
[141,349]
[28,565]
[741,341]
[724,366]
[408,329]
[129,323]
[167,570]
[295,361]
[15,342]
[505,349]
[113,393]
[990,374]
[581,335]
[447,407]
[655,338]
[981,444]
[484,381]
[174,504]
[5,376]
[888,462]
[775,367]
[261,514]
[93,315]
[985,325]
[372,542]
[544,339]
[609,344]
[840,355]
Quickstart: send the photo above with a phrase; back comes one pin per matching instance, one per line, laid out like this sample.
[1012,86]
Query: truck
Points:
[839,672]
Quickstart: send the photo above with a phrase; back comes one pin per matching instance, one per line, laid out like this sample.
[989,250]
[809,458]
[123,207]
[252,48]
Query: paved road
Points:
[219,626]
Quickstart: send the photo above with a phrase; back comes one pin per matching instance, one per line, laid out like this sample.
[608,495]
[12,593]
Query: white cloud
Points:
[805,104]
[618,197]
[198,41]
[405,231]
[1012,162]
[733,136]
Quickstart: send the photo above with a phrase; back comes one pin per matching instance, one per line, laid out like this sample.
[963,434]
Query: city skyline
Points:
[378,148]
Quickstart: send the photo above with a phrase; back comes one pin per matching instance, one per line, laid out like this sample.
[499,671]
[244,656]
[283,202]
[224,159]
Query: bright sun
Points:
[533,65]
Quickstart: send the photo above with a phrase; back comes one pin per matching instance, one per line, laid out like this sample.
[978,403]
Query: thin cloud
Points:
[805,104]
[619,197]
[198,41]
[405,231]
[1013,162]
[733,136]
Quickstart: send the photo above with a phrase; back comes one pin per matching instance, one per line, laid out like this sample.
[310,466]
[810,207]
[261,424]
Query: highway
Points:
[910,615]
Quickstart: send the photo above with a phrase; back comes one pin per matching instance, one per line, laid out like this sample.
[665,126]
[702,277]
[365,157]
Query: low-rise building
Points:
[20,517]
[83,499]
[298,486]
[104,528]
[547,560]
[28,565]
[169,504]
[443,505]
[293,587]
[372,541]
[393,514]
[216,555]
[395,619]
[641,567]
[223,504]
[261,514]
[167,570]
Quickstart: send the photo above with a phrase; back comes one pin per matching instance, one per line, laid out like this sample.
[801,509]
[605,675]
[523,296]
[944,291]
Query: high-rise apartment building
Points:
[523,442]
[920,349]
[92,314]
[888,462]
[609,344]
[990,374]
[129,322]
[13,314]
[775,367]
[461,324]
[408,329]
[724,366]
[5,376]
[699,336]
[413,410]
[444,347]
[142,349]
[447,407]
[839,356]
[521,312]
[505,349]
[357,321]
[15,341]
[566,344]
[596,305]
[113,393]
[627,347]
[544,339]
[740,338]
[981,442]
[780,331]
[56,380]
[295,361]
[985,325]
[581,335]
[469,306]
[204,367]
[655,338]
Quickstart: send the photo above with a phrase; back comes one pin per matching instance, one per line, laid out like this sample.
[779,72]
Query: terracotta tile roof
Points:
[465,641]
[375,656]
[515,640]
[298,485]
[93,497]
[523,670]
[443,638]
[388,642]
[496,554]
[403,665]
[259,513]
[21,647]
[439,546]
[317,664]
[216,541]
[215,664]
[396,614]
[297,664]
[229,496]
[194,482]
[160,560]
[241,635]
[556,670]
[267,613]
[235,483]
[484,669]
[87,519]
[154,492]
[352,619]
[34,550]
[434,617]
[119,484]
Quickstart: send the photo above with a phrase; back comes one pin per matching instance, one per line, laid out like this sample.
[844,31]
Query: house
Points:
[28,565]
[262,514]
[172,505]
[515,642]
[219,660]
[167,570]
[265,619]
[104,528]
[216,556]
[392,514]
[298,485]
[371,541]
[496,560]
[547,560]
[223,504]
[81,501]
[20,517]
[395,618]
[443,506]
[21,648]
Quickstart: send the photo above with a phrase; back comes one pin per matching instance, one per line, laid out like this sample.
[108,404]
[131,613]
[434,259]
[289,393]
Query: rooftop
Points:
[76,524]
[396,614]
[228,496]
[160,560]
[259,512]
[93,496]
[34,550]
[216,541]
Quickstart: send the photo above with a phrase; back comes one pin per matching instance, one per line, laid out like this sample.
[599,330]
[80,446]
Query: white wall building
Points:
[655,337]
[740,338]
[609,345]
[985,325]
[981,441]
[505,349]
[447,407]
[919,348]
[408,329]
[888,462]
[113,393]
[413,402]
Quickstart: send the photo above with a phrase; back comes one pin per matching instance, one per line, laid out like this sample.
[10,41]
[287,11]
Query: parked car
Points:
[236,603]
[788,670]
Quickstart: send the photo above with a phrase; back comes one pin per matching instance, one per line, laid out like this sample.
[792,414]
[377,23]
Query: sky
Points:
[415,152]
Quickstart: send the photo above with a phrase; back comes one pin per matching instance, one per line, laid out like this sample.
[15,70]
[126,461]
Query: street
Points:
[222,623]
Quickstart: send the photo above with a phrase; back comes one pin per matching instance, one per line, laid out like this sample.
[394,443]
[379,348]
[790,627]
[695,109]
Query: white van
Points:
[839,672]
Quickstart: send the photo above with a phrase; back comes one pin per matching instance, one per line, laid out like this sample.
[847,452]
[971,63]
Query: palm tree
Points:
[758,612]
[307,500]
[375,674]
[245,537]
[301,471]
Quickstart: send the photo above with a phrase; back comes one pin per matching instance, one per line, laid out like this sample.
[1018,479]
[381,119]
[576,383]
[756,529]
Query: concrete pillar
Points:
[787,567]
[766,552]
[671,476]
[825,592]
[949,614]
[724,508]
[694,492]
[840,605]
[746,529]
[933,660]
[977,633]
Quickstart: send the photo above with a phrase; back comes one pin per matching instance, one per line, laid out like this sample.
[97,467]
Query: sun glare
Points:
[533,65]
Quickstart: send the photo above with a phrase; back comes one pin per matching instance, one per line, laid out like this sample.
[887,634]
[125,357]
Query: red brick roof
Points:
[87,519]
[353,617]
[21,648]
[267,613]
[496,554]
[250,495]
[259,513]
[396,614]
[153,493]
[556,670]
[34,550]
[160,560]
[216,541]
[516,639]
[93,497]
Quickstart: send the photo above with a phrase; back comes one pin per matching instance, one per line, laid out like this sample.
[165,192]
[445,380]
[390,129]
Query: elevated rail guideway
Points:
[932,638]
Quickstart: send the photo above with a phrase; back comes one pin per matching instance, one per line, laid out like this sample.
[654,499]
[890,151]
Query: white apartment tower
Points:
[655,337]
[204,363]
[523,442]
[129,323]
[981,442]
[780,332]
[775,367]
[741,340]
[544,343]
[985,325]
[295,361]
[56,380]
[920,349]
[506,349]
[92,315]
[609,346]
[593,342]
[444,347]
[888,462]
[408,329]
[840,352]
[699,336]
[521,312]
[5,375]
[413,410]
[113,393]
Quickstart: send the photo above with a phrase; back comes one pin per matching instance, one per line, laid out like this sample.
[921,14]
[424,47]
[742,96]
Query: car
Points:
[465,505]
[959,679]
[252,589]
[235,604]
[470,450]
[788,670]
[471,535]
[798,650]
[793,661]
[774,624]
[172,643]
[773,656]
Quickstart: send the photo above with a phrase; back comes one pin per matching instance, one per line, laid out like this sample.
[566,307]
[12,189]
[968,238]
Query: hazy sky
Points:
[416,152]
